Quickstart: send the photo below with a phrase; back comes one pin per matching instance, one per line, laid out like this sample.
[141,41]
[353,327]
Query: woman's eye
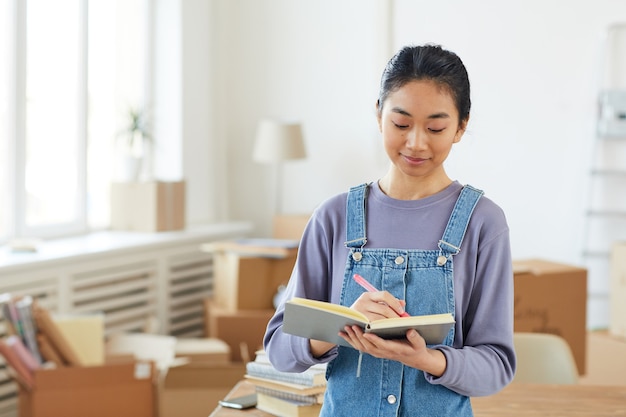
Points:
[437,130]
[399,126]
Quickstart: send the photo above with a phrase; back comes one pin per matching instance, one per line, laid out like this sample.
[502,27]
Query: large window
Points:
[72,70]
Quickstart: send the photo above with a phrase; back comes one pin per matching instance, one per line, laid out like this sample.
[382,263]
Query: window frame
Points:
[14,224]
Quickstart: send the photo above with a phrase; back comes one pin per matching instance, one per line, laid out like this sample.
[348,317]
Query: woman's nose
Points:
[416,139]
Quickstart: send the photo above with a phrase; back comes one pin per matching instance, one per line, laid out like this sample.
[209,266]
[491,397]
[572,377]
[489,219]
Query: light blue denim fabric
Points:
[384,387]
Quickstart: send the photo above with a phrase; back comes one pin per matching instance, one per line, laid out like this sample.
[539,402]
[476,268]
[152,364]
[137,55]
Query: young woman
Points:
[428,243]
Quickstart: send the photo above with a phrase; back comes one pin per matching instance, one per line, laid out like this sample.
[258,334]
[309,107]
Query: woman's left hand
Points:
[411,351]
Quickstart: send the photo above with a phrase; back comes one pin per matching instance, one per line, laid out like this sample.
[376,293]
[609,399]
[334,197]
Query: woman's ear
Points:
[461,130]
[378,116]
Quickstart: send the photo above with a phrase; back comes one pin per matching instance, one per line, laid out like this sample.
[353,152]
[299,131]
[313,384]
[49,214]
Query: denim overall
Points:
[424,278]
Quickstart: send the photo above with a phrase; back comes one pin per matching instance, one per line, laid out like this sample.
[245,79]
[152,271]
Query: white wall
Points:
[185,77]
[203,154]
[534,67]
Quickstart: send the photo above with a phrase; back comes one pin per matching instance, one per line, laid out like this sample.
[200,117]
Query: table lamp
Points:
[275,143]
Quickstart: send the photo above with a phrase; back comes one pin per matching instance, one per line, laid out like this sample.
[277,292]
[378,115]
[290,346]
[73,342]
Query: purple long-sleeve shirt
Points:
[481,360]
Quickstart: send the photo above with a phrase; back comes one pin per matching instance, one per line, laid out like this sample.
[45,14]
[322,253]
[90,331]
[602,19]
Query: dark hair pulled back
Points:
[428,62]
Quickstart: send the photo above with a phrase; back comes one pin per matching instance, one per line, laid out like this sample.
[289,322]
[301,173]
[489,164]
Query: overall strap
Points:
[355,216]
[450,243]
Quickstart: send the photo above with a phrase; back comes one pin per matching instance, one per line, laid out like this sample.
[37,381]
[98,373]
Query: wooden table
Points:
[521,400]
[516,400]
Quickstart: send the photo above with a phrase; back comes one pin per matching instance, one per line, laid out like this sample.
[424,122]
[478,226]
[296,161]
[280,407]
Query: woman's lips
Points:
[414,160]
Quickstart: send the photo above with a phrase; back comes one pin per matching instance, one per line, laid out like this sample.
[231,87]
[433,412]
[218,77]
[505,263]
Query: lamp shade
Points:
[276,142]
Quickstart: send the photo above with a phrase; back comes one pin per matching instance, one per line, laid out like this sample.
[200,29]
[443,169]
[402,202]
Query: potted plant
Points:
[135,138]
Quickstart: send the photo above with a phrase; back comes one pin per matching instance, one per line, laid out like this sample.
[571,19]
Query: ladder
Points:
[606,214]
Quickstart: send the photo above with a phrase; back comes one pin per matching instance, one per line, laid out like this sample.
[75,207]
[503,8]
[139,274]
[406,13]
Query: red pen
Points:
[370,288]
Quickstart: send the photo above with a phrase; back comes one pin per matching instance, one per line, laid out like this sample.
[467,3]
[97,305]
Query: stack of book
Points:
[287,394]
[32,340]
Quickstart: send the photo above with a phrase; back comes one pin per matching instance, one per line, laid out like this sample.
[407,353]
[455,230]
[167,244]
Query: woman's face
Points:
[419,123]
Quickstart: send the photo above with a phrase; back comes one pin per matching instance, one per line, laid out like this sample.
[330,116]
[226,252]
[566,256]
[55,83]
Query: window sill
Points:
[107,243]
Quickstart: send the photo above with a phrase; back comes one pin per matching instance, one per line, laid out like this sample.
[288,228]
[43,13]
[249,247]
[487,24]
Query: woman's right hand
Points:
[379,305]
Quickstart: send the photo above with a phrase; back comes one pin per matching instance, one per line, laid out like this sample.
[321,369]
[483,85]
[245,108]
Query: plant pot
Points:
[130,168]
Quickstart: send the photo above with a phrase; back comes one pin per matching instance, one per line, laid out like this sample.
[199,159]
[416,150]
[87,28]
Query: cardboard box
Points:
[122,390]
[151,206]
[617,320]
[249,282]
[552,298]
[242,330]
[289,226]
[193,390]
[193,373]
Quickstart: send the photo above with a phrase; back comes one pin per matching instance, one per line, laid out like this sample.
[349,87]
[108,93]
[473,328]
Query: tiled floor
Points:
[606,360]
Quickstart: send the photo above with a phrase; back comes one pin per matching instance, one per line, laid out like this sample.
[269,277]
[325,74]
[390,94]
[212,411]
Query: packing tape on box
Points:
[169,205]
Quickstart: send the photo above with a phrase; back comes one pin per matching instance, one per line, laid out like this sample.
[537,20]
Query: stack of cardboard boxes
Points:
[245,284]
[247,276]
